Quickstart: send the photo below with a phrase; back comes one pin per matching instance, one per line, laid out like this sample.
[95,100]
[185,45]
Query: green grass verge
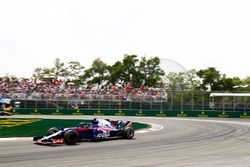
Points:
[18,127]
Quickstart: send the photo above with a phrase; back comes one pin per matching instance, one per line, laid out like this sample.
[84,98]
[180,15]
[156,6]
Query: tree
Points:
[97,73]
[150,71]
[175,81]
[42,73]
[115,73]
[53,73]
[37,73]
[58,69]
[219,82]
[244,85]
[192,79]
[130,74]
[74,71]
[210,78]
[226,84]
[125,71]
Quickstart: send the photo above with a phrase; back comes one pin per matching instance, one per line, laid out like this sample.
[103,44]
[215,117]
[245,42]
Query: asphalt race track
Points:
[194,142]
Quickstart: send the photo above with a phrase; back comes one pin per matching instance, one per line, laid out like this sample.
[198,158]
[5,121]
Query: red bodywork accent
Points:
[83,129]
[58,141]
[114,123]
[130,125]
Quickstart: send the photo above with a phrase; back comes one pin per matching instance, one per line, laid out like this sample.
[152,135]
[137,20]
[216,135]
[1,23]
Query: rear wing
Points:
[122,124]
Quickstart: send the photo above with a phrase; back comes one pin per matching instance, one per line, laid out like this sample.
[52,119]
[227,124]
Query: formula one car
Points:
[5,106]
[98,129]
[4,113]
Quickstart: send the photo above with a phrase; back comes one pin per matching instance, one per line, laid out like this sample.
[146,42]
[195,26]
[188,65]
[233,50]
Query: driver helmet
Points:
[95,121]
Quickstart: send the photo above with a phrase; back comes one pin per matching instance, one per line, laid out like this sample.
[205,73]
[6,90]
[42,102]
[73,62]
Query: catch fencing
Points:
[174,101]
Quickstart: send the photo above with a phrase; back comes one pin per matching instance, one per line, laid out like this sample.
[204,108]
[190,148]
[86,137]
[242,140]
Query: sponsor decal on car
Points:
[103,135]
[58,141]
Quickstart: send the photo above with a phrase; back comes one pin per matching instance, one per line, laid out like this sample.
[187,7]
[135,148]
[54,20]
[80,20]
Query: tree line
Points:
[137,72]
[129,71]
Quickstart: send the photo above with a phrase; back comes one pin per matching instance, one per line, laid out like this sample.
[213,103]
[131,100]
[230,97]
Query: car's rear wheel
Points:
[71,137]
[129,133]
[52,131]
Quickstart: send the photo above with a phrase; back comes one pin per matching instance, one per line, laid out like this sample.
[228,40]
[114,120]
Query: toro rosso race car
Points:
[98,129]
[4,113]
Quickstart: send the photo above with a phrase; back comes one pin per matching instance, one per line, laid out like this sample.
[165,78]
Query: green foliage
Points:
[97,73]
[53,73]
[150,71]
[130,73]
[115,72]
[136,72]
[192,80]
[58,70]
[45,73]
[210,79]
[74,72]
[175,81]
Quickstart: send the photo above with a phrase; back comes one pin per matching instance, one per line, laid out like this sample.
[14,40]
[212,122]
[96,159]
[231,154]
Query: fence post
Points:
[192,96]
[161,105]
[25,103]
[120,102]
[245,106]
[213,104]
[99,104]
[181,101]
[223,103]
[203,101]
[140,103]
[172,99]
[151,103]
[130,104]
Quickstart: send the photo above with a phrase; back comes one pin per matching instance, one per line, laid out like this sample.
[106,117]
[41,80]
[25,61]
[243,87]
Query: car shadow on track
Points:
[83,141]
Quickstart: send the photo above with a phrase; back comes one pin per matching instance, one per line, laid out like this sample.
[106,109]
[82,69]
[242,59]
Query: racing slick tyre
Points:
[128,133]
[71,137]
[52,131]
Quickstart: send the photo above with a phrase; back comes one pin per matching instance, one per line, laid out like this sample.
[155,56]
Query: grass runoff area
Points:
[22,127]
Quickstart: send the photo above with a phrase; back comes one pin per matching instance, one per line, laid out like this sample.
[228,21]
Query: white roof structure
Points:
[230,94]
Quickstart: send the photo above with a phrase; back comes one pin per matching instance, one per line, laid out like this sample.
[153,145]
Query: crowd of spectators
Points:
[59,90]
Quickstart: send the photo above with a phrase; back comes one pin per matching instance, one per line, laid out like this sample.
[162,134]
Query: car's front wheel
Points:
[71,137]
